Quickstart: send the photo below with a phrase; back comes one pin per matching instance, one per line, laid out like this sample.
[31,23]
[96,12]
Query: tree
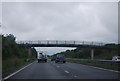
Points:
[11,37]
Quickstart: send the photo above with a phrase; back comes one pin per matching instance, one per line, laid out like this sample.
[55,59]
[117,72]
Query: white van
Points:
[41,57]
[116,58]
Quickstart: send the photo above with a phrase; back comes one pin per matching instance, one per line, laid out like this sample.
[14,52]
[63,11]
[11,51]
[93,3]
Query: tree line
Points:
[14,55]
[85,53]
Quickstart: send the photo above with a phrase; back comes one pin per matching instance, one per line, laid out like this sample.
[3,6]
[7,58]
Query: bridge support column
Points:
[92,54]
[29,54]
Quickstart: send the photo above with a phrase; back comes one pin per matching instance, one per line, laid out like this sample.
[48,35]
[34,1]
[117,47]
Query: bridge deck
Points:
[55,43]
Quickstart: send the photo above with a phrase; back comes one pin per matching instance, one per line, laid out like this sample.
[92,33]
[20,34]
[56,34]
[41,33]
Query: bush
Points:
[14,55]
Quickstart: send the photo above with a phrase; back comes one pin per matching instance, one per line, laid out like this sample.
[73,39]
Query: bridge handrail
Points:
[61,42]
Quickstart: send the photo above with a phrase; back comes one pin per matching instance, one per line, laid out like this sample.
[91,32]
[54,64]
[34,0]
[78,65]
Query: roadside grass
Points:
[13,63]
[107,56]
[102,65]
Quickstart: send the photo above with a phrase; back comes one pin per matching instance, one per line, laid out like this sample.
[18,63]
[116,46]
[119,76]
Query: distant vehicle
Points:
[60,58]
[53,58]
[116,58]
[41,57]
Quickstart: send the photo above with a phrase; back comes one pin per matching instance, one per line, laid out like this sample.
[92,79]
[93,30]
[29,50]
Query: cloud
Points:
[84,21]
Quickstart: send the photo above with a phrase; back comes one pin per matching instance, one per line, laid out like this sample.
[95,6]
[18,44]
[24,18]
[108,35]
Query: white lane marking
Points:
[17,71]
[101,68]
[67,71]
[58,66]
[75,76]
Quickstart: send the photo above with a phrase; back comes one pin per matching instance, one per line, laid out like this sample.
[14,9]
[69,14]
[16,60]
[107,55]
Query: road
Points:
[52,70]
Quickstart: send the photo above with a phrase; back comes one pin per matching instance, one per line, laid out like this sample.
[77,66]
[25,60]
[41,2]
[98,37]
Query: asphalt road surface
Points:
[52,70]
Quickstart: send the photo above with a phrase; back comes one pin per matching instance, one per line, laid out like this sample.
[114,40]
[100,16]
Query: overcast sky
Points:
[84,21]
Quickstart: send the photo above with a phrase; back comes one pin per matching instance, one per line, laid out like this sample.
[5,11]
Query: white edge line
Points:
[16,71]
[105,69]
[101,68]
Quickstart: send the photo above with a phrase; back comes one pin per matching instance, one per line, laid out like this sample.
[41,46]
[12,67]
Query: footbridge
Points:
[62,43]
[57,43]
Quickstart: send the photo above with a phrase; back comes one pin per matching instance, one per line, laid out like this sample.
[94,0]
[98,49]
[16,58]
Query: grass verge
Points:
[13,63]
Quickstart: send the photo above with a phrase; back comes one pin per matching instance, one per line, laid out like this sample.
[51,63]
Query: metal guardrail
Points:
[96,61]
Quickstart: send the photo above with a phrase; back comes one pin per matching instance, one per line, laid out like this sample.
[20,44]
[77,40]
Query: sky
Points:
[81,21]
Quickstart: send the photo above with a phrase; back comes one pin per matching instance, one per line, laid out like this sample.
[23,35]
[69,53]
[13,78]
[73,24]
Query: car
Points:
[53,58]
[116,58]
[60,58]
